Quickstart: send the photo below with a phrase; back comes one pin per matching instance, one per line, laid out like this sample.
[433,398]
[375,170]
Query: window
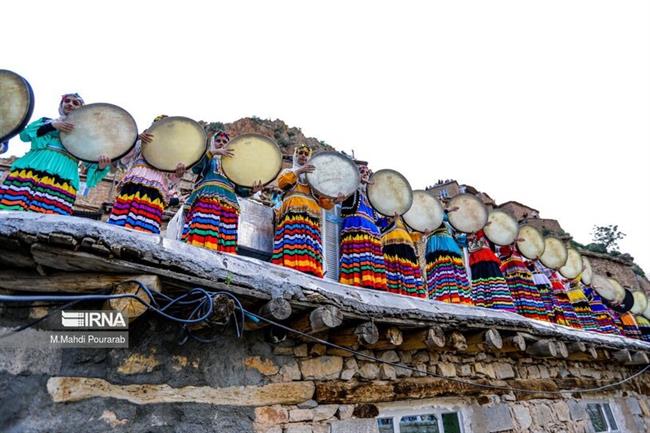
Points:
[602,418]
[425,422]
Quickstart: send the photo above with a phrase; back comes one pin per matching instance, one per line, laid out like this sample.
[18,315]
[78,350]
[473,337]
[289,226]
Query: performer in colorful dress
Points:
[297,243]
[446,276]
[144,191]
[629,326]
[525,294]
[581,305]
[212,214]
[644,327]
[362,258]
[602,313]
[563,312]
[46,179]
[489,286]
[544,288]
[403,273]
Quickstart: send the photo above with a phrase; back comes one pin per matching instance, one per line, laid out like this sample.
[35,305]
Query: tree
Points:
[608,237]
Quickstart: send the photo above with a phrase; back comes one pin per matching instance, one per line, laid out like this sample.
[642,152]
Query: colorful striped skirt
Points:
[563,312]
[362,260]
[630,327]
[525,294]
[447,279]
[37,191]
[543,285]
[644,327]
[403,274]
[211,223]
[489,287]
[582,309]
[602,314]
[297,243]
[138,207]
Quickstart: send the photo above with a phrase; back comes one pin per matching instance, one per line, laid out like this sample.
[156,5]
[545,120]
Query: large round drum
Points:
[620,294]
[256,158]
[100,129]
[587,272]
[604,287]
[389,192]
[471,215]
[530,242]
[555,253]
[640,302]
[573,265]
[426,213]
[624,305]
[502,228]
[175,140]
[16,104]
[335,174]
[646,312]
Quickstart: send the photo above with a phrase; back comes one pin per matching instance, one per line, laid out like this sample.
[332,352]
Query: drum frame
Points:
[187,167]
[565,249]
[252,134]
[449,217]
[485,228]
[541,237]
[434,197]
[331,152]
[117,158]
[407,182]
[30,109]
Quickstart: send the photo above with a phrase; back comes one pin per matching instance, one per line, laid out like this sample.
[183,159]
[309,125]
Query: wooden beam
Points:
[430,338]
[579,351]
[277,310]
[623,356]
[488,340]
[639,358]
[318,320]
[562,350]
[543,349]
[457,342]
[133,308]
[70,282]
[365,333]
[389,338]
[513,343]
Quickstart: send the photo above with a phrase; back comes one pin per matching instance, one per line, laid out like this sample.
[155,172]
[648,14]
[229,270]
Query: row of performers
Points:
[376,252]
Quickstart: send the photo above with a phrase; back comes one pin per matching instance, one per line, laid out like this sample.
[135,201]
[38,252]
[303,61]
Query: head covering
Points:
[217,134]
[69,95]
[298,148]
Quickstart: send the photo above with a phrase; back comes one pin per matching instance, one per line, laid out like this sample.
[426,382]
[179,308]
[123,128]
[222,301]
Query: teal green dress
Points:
[46,178]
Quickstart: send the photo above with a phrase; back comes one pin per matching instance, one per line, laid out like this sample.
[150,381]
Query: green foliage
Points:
[596,248]
[637,270]
[608,236]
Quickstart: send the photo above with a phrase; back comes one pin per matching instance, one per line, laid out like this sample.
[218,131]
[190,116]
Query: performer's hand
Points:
[339,198]
[224,151]
[180,169]
[257,186]
[146,138]
[63,126]
[104,161]
[307,168]
[453,209]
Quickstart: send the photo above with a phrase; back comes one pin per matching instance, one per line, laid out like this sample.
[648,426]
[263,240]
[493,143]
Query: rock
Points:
[365,411]
[321,368]
[389,356]
[347,374]
[533,372]
[447,369]
[402,371]
[290,372]
[264,366]
[345,411]
[464,370]
[325,412]
[522,415]
[110,418]
[406,356]
[318,350]
[355,426]
[576,410]
[422,370]
[138,363]
[491,419]
[321,428]
[504,370]
[421,356]
[485,369]
[369,371]
[387,372]
[298,428]
[350,370]
[271,415]
[543,372]
[542,415]
[301,351]
[309,404]
[297,415]
[283,350]
[561,410]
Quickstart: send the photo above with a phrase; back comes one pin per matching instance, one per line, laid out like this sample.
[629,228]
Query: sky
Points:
[546,103]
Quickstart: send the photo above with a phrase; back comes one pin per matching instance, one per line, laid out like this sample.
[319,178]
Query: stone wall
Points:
[614,268]
[519,211]
[251,385]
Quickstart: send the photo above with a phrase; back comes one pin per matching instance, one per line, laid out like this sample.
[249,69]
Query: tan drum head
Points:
[573,265]
[555,253]
[389,192]
[503,228]
[100,129]
[640,302]
[16,104]
[471,216]
[175,140]
[619,291]
[604,287]
[587,272]
[255,158]
[531,244]
[335,174]
[426,213]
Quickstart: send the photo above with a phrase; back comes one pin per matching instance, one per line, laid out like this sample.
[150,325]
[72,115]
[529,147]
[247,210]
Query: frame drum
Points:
[16,104]
[587,272]
[619,292]
[573,265]
[640,302]
[100,129]
[426,213]
[335,174]
[255,158]
[389,192]
[531,244]
[604,287]
[555,254]
[646,312]
[503,229]
[175,140]
[471,216]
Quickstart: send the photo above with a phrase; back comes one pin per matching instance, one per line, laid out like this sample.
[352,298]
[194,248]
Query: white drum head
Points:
[502,228]
[573,265]
[531,244]
[587,272]
[646,312]
[16,104]
[471,215]
[640,302]
[555,253]
[604,287]
[426,213]
[255,158]
[335,174]
[389,192]
[100,129]
[175,140]
[619,291]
